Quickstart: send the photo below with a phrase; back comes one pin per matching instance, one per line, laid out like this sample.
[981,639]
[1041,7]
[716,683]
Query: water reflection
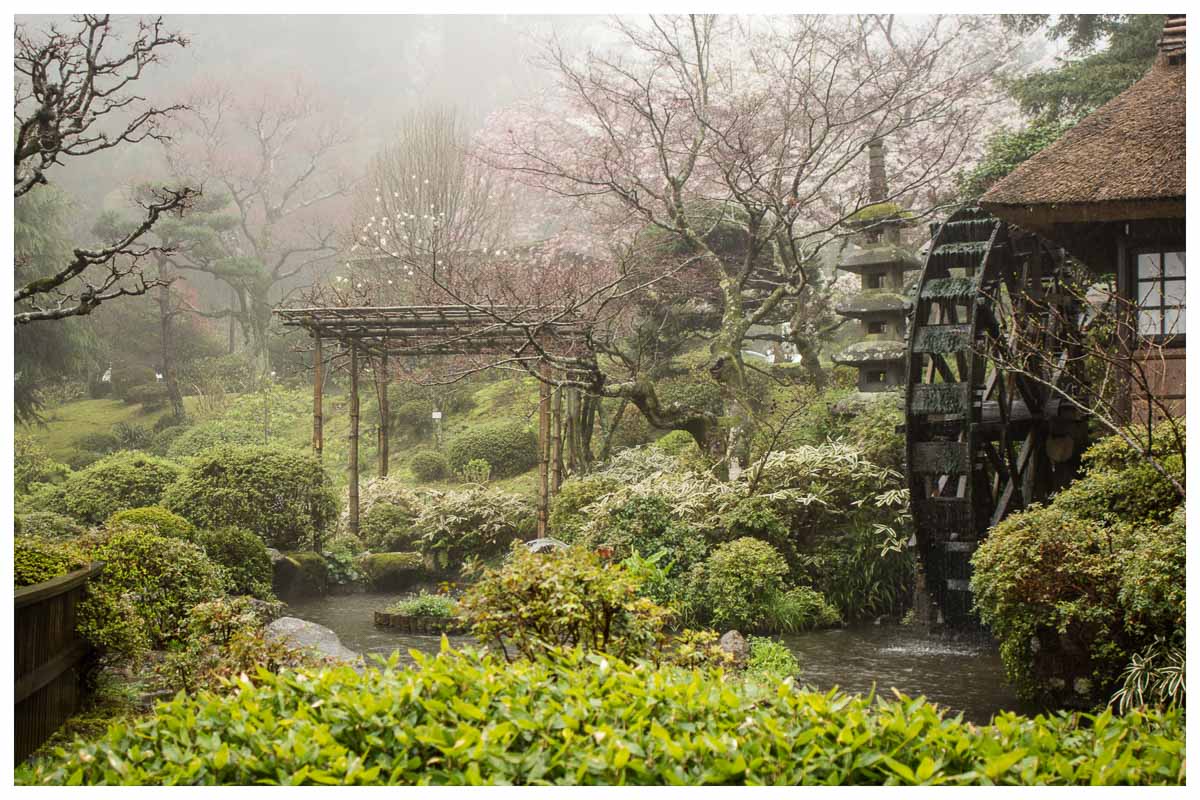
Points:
[966,677]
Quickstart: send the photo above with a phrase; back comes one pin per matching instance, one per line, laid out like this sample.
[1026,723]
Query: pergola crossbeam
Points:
[436,330]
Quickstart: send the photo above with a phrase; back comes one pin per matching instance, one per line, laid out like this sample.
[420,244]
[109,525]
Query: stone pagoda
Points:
[881,306]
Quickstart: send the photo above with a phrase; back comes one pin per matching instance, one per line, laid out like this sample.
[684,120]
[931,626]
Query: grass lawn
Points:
[66,424]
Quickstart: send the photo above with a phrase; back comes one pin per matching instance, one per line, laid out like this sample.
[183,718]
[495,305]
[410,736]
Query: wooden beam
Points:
[544,453]
[318,436]
[353,491]
[385,419]
[556,442]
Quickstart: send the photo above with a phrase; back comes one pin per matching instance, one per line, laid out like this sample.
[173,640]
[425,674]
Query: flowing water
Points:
[965,677]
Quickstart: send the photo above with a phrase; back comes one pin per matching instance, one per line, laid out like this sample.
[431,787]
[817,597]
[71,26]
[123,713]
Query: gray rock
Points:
[310,636]
[735,645]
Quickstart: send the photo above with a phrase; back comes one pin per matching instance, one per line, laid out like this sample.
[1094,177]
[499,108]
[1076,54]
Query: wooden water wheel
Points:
[985,439]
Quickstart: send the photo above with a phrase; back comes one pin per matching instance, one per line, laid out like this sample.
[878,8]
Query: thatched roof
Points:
[1125,160]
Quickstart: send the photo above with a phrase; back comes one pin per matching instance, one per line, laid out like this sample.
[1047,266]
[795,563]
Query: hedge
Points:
[509,447]
[466,718]
[123,480]
[283,496]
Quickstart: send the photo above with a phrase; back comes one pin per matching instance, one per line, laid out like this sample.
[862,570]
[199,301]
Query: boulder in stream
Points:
[735,645]
[310,636]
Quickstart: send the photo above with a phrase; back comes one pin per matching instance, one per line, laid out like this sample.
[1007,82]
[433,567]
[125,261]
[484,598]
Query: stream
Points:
[965,677]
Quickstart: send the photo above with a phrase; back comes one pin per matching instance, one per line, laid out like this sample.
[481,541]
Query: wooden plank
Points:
[941,458]
[353,489]
[65,659]
[940,398]
[942,339]
[318,440]
[385,420]
[544,453]
[28,595]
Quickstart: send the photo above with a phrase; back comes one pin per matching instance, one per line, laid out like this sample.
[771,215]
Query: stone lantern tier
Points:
[870,352]
[877,258]
[871,305]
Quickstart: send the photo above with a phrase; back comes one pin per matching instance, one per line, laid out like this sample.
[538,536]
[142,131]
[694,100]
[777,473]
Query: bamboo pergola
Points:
[382,332]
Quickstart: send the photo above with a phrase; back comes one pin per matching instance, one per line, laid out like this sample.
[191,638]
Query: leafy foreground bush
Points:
[284,497]
[564,598]
[37,560]
[467,718]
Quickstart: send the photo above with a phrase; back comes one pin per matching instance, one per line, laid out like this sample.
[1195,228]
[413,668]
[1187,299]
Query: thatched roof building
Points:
[1112,192]
[1125,161]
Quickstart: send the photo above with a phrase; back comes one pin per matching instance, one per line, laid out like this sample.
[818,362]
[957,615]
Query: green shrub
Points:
[171,421]
[1154,678]
[468,718]
[342,553]
[117,482]
[388,527]
[564,598]
[1067,640]
[865,573]
[740,578]
[800,609]
[473,521]
[695,395]
[32,465]
[244,558]
[168,576]
[392,571]
[429,465]
[81,459]
[38,560]
[875,431]
[283,496]
[160,442]
[153,518]
[771,660]
[98,442]
[41,497]
[151,396]
[475,471]
[130,436]
[677,443]
[46,525]
[199,438]
[426,605]
[567,513]
[509,447]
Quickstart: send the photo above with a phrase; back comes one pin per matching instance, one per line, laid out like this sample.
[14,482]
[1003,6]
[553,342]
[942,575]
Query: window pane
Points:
[1176,293]
[1174,265]
[1171,322]
[1150,323]
[1148,266]
[1150,293]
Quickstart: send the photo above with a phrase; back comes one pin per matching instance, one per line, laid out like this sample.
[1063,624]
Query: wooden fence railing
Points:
[48,652]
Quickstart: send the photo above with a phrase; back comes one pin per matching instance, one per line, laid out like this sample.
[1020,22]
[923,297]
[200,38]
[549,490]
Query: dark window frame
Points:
[1136,283]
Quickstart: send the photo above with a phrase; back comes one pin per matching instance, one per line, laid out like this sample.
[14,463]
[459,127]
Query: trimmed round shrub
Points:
[692,395]
[171,421]
[46,525]
[153,518]
[167,576]
[41,497]
[677,443]
[80,459]
[195,440]
[509,447]
[429,465]
[38,560]
[160,442]
[283,496]
[150,396]
[128,479]
[102,442]
[387,527]
[244,558]
[740,579]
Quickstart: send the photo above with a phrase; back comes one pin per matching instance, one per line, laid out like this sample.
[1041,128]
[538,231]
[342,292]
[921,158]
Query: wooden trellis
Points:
[383,332]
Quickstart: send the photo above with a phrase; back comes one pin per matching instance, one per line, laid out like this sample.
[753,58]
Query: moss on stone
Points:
[300,574]
[393,571]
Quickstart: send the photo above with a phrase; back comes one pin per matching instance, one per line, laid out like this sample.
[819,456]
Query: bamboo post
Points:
[385,419]
[556,442]
[318,440]
[544,453]
[353,491]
